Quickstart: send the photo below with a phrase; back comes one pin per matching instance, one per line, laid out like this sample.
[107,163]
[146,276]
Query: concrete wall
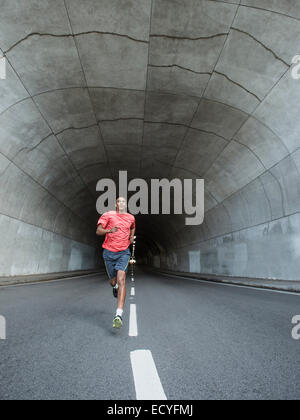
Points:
[243,136]
[160,88]
[39,233]
[26,249]
[270,250]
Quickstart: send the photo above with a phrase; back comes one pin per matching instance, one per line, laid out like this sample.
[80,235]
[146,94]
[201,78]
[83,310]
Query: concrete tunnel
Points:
[162,89]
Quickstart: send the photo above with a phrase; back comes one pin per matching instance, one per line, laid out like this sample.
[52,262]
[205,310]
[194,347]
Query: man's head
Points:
[121,205]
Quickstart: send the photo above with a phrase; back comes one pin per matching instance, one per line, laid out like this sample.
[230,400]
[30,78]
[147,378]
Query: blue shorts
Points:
[115,261]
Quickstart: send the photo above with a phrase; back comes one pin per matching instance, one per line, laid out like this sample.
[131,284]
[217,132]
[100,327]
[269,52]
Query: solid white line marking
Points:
[133,330]
[41,282]
[132,291]
[261,289]
[147,383]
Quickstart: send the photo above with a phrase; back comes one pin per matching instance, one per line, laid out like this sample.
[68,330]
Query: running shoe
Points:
[118,322]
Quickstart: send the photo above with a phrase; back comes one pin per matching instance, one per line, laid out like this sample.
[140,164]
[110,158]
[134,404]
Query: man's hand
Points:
[132,233]
[113,230]
[101,231]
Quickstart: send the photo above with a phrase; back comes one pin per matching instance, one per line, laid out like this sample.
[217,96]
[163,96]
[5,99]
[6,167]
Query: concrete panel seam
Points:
[13,105]
[204,92]
[38,109]
[147,81]
[267,198]
[101,138]
[44,188]
[244,123]
[270,11]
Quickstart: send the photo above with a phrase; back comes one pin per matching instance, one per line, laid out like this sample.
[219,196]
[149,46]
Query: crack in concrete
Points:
[73,36]
[32,148]
[263,45]
[188,127]
[147,82]
[121,119]
[101,139]
[42,141]
[207,73]
[239,85]
[75,128]
[183,38]
[166,123]
[179,67]
[51,130]
[226,36]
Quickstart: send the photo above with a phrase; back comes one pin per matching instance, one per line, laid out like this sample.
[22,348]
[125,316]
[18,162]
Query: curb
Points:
[277,285]
[42,278]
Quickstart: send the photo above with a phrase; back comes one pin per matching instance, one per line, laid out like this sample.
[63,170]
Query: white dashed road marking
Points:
[147,383]
[133,330]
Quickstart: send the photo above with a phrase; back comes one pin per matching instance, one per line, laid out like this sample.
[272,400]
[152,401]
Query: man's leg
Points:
[111,272]
[121,278]
[121,268]
[114,284]
[113,281]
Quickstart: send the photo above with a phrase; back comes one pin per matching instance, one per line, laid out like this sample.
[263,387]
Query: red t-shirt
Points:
[118,241]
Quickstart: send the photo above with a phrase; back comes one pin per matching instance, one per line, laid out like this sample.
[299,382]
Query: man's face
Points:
[121,204]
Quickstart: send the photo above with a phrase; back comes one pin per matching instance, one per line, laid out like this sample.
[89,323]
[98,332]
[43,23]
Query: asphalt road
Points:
[208,341]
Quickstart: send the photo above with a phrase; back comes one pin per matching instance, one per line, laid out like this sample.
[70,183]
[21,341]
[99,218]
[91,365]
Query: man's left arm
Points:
[132,231]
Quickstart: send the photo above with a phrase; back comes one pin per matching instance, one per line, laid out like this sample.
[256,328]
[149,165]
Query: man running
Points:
[119,228]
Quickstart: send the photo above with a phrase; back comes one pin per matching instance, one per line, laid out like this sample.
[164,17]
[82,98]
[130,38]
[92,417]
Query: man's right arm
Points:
[101,231]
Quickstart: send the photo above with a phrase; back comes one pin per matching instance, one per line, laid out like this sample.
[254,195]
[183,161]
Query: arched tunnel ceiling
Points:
[162,88]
